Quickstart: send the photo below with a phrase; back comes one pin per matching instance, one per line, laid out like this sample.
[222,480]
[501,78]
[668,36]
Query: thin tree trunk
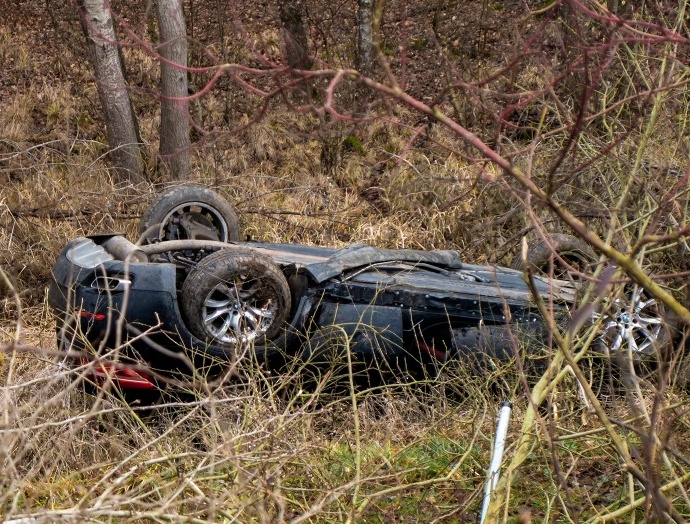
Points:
[369,16]
[365,37]
[174,132]
[120,120]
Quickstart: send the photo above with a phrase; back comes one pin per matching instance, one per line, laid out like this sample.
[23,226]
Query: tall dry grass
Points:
[262,449]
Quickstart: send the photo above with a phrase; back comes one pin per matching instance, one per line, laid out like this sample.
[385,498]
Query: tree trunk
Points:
[365,37]
[174,132]
[121,123]
[369,17]
[296,42]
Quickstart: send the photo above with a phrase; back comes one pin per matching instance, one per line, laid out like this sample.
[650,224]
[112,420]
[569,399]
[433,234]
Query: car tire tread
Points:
[179,195]
[224,265]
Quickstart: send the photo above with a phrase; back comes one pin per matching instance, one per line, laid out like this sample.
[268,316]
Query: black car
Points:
[190,299]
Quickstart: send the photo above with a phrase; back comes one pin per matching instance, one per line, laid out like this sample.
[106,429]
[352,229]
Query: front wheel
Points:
[633,324]
[235,298]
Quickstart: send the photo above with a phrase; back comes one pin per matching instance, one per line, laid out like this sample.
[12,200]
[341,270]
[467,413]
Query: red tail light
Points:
[91,316]
[124,377]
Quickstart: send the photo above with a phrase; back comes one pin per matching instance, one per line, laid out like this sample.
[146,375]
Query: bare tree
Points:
[121,123]
[174,131]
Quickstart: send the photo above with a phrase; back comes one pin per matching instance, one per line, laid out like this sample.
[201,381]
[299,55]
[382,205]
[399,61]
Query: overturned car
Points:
[190,299]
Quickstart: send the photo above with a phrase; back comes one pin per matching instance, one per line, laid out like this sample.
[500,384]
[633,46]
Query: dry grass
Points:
[263,450]
[246,451]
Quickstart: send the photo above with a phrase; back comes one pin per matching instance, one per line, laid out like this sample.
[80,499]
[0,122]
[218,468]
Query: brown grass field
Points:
[261,449]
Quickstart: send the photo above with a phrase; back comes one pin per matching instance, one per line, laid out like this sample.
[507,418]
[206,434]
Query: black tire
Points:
[540,256]
[190,212]
[260,299]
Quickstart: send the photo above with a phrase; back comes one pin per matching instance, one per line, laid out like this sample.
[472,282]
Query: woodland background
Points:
[478,124]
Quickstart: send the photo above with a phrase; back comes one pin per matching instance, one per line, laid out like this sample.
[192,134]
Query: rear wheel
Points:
[235,298]
[190,212]
[562,256]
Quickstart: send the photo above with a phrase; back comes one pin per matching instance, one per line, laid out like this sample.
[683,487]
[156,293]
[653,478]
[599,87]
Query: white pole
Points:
[497,455]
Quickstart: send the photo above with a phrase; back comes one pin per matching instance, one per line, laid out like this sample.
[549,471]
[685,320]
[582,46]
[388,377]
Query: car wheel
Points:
[636,340]
[190,212]
[571,250]
[234,298]
[633,323]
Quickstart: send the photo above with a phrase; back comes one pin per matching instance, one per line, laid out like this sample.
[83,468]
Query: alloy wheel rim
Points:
[632,324]
[238,311]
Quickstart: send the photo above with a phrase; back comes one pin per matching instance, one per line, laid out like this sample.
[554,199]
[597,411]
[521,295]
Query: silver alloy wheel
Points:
[238,312]
[194,220]
[235,296]
[632,324]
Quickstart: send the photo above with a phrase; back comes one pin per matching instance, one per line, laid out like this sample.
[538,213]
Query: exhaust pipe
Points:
[123,249]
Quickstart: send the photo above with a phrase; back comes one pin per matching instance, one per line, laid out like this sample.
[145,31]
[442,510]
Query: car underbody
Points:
[190,299]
